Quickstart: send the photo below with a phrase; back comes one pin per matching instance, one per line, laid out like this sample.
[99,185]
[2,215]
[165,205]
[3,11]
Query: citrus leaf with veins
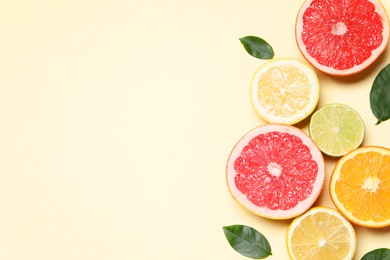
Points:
[257,47]
[377,254]
[247,241]
[380,95]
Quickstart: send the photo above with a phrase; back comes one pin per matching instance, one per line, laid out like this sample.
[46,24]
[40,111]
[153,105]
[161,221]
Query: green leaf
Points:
[380,95]
[247,241]
[377,254]
[257,47]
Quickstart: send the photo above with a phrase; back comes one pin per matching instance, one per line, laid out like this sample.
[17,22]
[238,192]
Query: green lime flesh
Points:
[336,129]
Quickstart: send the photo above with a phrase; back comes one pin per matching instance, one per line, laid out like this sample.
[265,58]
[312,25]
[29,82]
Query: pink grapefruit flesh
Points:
[342,37]
[275,171]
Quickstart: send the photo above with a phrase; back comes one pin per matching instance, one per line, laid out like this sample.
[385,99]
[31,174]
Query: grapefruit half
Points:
[342,37]
[275,171]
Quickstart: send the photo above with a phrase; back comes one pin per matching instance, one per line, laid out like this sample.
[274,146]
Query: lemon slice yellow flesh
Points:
[284,91]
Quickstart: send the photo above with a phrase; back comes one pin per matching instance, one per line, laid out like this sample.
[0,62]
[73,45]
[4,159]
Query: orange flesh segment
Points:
[363,186]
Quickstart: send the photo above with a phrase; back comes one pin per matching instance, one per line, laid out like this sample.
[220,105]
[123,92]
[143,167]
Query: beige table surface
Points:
[117,118]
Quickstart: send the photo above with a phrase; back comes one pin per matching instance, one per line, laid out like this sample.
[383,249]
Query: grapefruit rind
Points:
[263,211]
[320,209]
[379,8]
[301,115]
[334,178]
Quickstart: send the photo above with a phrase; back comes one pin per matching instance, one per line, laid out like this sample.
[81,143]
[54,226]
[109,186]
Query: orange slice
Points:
[360,186]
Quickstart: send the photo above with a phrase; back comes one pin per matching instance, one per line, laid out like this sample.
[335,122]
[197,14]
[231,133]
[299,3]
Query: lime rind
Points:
[336,129]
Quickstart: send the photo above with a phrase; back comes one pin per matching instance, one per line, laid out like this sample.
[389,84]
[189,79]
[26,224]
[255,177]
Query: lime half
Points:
[336,129]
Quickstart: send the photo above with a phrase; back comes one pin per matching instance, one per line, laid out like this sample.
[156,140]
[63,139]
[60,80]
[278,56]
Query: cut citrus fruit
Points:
[360,186]
[336,129]
[321,233]
[342,37]
[284,91]
[275,171]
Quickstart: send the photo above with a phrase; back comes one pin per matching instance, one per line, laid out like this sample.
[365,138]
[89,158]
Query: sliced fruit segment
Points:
[275,171]
[342,37]
[284,91]
[321,233]
[336,129]
[360,186]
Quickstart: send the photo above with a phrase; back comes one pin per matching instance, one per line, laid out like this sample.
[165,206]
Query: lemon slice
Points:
[336,129]
[321,233]
[284,91]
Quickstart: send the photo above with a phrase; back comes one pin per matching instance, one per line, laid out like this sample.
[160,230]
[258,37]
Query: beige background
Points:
[117,118]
